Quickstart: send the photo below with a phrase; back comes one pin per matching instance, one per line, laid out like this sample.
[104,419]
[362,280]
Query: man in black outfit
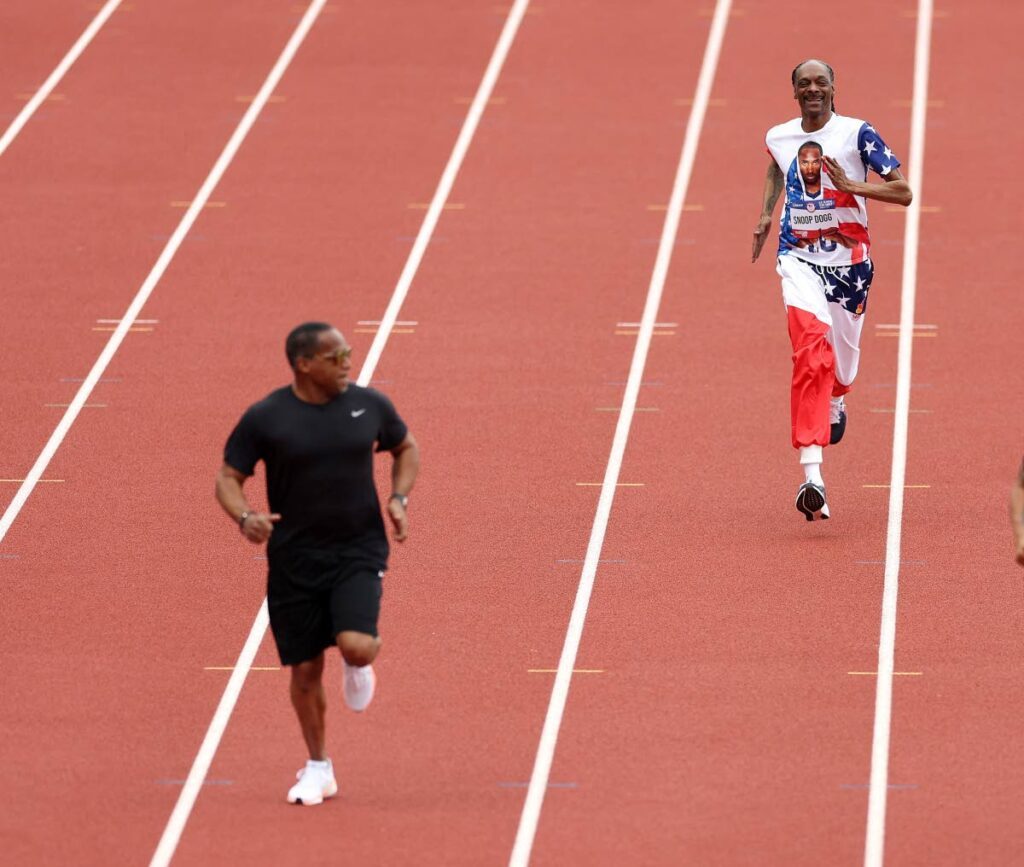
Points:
[326,544]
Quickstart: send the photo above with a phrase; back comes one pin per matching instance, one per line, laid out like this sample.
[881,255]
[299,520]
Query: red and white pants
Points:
[825,313]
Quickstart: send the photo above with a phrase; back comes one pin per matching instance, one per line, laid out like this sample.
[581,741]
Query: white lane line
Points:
[164,260]
[567,662]
[444,187]
[58,73]
[874,847]
[201,764]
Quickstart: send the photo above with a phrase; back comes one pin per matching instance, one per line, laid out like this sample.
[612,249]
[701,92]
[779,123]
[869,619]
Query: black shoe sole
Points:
[837,430]
[809,501]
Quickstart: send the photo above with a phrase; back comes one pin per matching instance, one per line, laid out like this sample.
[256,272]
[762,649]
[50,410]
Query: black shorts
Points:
[314,595]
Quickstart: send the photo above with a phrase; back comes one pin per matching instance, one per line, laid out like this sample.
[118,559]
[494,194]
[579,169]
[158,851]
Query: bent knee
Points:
[358,648]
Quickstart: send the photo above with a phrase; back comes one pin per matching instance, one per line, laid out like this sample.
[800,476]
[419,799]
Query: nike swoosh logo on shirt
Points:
[357,412]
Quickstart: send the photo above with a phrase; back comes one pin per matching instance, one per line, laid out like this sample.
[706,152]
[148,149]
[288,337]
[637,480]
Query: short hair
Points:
[810,144]
[303,340]
[831,73]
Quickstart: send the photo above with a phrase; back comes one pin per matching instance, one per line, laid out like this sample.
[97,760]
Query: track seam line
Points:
[25,115]
[204,758]
[534,800]
[874,845]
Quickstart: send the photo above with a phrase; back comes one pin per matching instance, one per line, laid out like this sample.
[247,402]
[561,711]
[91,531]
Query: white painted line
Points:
[201,765]
[444,187]
[25,115]
[530,816]
[874,847]
[164,260]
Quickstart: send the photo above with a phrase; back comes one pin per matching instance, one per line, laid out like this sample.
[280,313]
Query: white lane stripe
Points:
[164,260]
[874,848]
[530,816]
[58,73]
[444,187]
[201,765]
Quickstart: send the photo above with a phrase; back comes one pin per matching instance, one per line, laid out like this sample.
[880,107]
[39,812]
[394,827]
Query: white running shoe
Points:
[315,782]
[360,682]
[810,502]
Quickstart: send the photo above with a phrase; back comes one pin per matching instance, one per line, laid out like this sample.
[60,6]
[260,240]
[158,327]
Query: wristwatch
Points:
[402,498]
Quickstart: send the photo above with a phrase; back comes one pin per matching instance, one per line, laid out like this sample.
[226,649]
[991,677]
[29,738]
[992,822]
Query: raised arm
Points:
[773,184]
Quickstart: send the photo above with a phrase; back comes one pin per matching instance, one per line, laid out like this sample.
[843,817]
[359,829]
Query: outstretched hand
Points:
[764,227]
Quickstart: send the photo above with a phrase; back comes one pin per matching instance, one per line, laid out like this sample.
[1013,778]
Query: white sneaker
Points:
[315,782]
[360,682]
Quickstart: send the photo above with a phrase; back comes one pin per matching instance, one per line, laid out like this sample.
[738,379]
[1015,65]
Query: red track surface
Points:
[724,728]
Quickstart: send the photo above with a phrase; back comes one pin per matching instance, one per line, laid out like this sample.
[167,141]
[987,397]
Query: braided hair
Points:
[831,74]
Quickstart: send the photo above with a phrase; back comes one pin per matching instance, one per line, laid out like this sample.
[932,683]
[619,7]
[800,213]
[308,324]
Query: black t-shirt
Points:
[319,461]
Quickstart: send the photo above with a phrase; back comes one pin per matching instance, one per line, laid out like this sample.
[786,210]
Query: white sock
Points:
[810,460]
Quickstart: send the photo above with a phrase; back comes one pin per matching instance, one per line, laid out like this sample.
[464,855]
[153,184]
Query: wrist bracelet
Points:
[402,498]
[242,519]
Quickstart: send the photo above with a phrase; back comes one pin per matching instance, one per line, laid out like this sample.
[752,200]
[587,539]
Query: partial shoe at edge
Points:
[837,420]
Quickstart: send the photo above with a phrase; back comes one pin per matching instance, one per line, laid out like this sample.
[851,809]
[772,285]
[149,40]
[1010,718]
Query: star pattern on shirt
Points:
[869,147]
[888,153]
[885,170]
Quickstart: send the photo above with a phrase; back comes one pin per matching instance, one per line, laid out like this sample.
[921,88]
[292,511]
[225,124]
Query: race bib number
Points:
[808,219]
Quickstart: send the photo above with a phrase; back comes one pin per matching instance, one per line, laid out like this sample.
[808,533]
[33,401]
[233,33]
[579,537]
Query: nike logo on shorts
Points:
[357,412]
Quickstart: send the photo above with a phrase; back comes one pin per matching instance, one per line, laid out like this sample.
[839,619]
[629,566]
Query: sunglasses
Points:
[338,356]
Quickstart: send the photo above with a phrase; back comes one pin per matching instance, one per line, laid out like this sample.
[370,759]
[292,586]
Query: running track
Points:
[720,724]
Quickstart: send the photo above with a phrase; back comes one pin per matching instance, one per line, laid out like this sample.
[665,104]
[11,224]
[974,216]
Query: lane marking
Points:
[38,481]
[524,784]
[635,409]
[581,561]
[232,668]
[205,782]
[84,405]
[898,325]
[892,410]
[574,671]
[894,673]
[527,830]
[894,786]
[925,209]
[215,731]
[882,562]
[665,207]
[638,324]
[58,73]
[181,203]
[874,843]
[270,99]
[393,330]
[424,206]
[889,486]
[637,332]
[468,100]
[617,484]
[53,97]
[915,334]
[909,103]
[131,330]
[137,321]
[714,102]
[396,322]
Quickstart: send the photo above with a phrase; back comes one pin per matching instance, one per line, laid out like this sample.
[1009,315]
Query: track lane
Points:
[955,732]
[131,524]
[728,631]
[532,278]
[90,193]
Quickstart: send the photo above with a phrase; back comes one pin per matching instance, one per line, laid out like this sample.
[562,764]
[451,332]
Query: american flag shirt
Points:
[819,223]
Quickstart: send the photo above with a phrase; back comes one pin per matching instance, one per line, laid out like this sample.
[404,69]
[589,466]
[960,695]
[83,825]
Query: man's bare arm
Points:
[774,182]
[895,190]
[403,475]
[257,526]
